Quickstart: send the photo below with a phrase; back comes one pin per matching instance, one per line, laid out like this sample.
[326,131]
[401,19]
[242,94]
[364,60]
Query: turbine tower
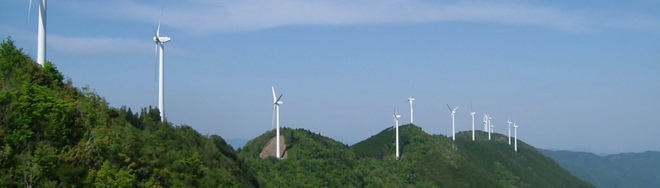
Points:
[410,100]
[472,113]
[515,135]
[490,127]
[41,34]
[509,122]
[453,132]
[276,106]
[160,47]
[396,126]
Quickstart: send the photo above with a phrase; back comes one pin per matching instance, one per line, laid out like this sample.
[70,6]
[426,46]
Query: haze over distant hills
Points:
[616,170]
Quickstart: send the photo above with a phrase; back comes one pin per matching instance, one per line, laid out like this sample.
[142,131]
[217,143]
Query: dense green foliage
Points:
[55,135]
[426,161]
[617,170]
[525,168]
[312,161]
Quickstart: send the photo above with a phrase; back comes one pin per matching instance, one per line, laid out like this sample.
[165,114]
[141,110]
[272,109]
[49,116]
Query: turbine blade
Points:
[159,19]
[158,30]
[455,108]
[278,98]
[449,107]
[29,10]
[274,99]
[272,120]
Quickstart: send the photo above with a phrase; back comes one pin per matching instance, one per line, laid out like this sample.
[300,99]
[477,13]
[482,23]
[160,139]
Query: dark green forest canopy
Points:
[55,135]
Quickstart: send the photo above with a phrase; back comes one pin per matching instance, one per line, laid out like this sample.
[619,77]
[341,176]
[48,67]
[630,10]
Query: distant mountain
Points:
[617,170]
[426,161]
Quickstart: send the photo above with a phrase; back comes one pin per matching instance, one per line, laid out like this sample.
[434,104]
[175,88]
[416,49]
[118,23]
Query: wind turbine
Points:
[490,127]
[472,113]
[160,47]
[396,126]
[453,134]
[509,122]
[515,135]
[485,122]
[41,34]
[276,106]
[410,100]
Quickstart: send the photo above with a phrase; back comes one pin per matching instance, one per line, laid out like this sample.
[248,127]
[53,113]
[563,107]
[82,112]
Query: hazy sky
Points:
[577,75]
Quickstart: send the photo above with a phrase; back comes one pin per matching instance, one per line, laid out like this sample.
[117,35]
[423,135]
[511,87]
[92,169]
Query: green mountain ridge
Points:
[615,170]
[55,135]
[426,161]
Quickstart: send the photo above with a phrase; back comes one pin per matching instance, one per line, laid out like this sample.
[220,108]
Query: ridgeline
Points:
[57,135]
[616,170]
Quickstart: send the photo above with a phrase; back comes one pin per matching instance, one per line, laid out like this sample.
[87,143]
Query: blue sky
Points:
[577,75]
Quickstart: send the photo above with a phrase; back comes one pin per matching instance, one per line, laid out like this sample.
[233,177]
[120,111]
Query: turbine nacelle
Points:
[161,39]
[276,100]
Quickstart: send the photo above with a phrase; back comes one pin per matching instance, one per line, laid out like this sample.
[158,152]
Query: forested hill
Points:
[437,160]
[616,170]
[426,161]
[312,161]
[55,135]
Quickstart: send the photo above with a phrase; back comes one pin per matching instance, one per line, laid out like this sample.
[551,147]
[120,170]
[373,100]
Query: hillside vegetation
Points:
[617,170]
[426,161]
[55,135]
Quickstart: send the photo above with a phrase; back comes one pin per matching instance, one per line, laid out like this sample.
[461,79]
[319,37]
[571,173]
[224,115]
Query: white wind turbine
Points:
[490,127]
[453,112]
[160,47]
[41,34]
[410,100]
[485,119]
[515,135]
[276,106]
[509,122]
[472,113]
[396,127]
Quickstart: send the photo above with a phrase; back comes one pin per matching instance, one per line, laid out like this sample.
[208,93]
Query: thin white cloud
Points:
[207,16]
[89,45]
